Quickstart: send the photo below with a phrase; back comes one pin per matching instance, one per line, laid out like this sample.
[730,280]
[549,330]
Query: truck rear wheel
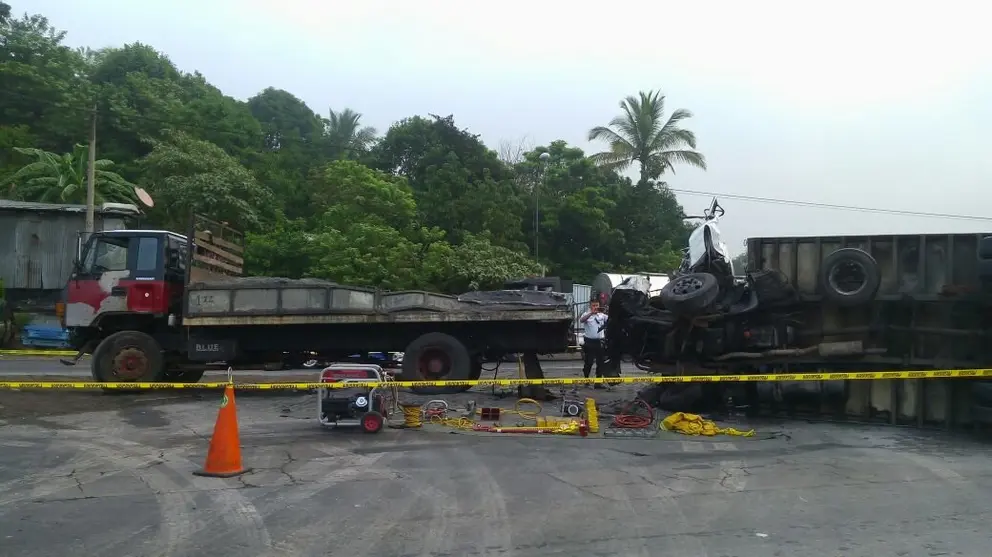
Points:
[690,294]
[849,277]
[436,357]
[128,356]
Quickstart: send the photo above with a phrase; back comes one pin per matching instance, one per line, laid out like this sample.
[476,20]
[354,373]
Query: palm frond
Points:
[602,133]
[692,158]
[611,160]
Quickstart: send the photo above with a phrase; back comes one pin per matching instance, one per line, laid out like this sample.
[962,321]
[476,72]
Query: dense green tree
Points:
[292,145]
[284,249]
[352,193]
[184,173]
[54,178]
[459,184]
[477,264]
[43,82]
[642,135]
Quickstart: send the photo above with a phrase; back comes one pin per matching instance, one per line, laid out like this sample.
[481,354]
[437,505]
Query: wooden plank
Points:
[223,254]
[213,239]
[217,263]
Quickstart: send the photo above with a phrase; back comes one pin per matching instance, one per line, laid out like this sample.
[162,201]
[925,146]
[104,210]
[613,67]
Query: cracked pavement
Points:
[119,482]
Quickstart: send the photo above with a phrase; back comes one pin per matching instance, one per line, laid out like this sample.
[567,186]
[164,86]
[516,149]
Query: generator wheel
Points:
[437,357]
[372,422]
[128,356]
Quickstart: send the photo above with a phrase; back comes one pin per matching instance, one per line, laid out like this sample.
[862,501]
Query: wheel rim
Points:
[847,278]
[434,363]
[130,364]
[686,285]
[370,422]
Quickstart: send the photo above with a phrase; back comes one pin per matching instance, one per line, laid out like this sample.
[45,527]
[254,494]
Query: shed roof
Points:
[104,209]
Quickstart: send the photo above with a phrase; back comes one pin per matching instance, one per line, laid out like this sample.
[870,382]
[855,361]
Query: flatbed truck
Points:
[156,306]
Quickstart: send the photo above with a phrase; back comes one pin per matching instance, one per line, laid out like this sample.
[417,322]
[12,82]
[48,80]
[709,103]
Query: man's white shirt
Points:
[595,325]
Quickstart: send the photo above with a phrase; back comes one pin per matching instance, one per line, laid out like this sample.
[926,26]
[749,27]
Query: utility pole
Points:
[91,177]
[544,158]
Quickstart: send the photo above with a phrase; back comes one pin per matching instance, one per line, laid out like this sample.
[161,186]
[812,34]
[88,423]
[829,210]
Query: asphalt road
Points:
[119,481]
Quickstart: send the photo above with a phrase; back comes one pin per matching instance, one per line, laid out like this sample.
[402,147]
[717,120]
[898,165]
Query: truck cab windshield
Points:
[106,253]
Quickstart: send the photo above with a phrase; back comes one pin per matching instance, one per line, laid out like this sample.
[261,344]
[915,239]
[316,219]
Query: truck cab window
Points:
[107,254]
[148,254]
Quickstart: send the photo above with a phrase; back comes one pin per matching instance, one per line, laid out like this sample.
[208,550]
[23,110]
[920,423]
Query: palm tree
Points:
[642,134]
[345,134]
[54,178]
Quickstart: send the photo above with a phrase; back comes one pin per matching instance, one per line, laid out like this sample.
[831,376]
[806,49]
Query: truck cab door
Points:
[94,285]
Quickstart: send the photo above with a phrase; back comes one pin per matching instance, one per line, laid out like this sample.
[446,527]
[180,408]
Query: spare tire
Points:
[690,294]
[849,277]
[437,357]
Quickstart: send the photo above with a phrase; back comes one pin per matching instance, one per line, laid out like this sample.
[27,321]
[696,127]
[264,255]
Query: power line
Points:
[818,205]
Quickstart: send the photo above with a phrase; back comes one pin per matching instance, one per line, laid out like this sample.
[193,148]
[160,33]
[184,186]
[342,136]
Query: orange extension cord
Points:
[628,418]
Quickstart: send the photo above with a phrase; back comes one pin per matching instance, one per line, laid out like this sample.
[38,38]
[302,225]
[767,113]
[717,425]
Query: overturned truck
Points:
[822,304]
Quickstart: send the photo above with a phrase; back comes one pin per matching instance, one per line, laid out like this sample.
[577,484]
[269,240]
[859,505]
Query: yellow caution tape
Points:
[52,353]
[692,424]
[848,376]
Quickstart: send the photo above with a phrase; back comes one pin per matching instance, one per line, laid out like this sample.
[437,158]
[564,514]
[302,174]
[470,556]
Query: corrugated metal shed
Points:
[38,240]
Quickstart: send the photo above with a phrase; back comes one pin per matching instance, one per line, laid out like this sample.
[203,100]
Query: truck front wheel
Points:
[128,356]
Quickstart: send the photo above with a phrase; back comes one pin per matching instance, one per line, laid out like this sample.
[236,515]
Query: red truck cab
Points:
[126,280]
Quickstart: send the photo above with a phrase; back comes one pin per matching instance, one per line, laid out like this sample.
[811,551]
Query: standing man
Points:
[594,322]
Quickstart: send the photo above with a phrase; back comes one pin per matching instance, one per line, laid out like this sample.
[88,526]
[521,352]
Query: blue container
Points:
[44,336]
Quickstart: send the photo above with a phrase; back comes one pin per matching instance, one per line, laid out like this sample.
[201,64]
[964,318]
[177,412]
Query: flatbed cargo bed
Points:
[277,301]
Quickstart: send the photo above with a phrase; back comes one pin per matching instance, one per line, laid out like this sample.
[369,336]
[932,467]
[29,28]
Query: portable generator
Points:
[366,407]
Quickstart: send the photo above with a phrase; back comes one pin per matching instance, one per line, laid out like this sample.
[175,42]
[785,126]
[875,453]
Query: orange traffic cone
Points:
[224,455]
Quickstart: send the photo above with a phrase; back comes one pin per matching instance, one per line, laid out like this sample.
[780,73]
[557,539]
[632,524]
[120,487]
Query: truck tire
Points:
[849,277]
[128,356]
[436,356]
[690,294]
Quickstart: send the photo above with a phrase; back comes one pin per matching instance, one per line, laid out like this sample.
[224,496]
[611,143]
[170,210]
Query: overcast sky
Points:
[884,106]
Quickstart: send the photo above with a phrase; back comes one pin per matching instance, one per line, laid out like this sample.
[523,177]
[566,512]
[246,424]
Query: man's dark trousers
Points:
[592,351]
